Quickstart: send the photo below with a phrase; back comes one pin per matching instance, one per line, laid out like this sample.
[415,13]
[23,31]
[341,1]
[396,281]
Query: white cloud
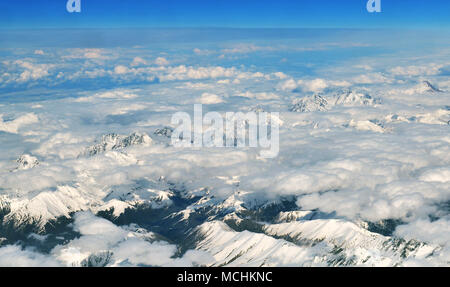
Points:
[202,52]
[61,144]
[117,94]
[259,96]
[15,256]
[224,82]
[428,70]
[437,231]
[354,159]
[185,73]
[280,75]
[126,246]
[120,70]
[124,109]
[160,61]
[138,61]
[210,99]
[371,78]
[32,71]
[113,94]
[246,48]
[87,53]
[13,126]
[441,174]
[288,85]
[315,85]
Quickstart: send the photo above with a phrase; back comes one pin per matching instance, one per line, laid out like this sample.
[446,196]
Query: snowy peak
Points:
[165,132]
[310,104]
[426,86]
[26,161]
[319,102]
[248,249]
[350,98]
[117,142]
[295,215]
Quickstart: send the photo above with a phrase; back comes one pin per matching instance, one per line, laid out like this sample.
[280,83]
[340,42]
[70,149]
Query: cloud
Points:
[437,231]
[441,174]
[138,61]
[210,99]
[117,94]
[246,48]
[32,71]
[355,159]
[15,256]
[124,109]
[185,73]
[280,75]
[314,85]
[160,61]
[288,85]
[13,126]
[366,125]
[87,53]
[202,52]
[113,94]
[259,96]
[124,245]
[371,78]
[427,70]
[61,144]
[395,200]
[120,70]
[224,82]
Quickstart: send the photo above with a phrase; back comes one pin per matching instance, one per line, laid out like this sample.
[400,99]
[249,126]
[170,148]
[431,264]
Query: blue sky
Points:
[224,13]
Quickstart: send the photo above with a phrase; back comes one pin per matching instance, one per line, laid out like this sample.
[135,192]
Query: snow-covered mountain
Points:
[26,161]
[89,175]
[269,233]
[426,86]
[113,141]
[325,102]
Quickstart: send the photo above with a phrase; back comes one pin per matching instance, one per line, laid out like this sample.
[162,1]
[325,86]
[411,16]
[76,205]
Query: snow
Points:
[363,140]
[248,249]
